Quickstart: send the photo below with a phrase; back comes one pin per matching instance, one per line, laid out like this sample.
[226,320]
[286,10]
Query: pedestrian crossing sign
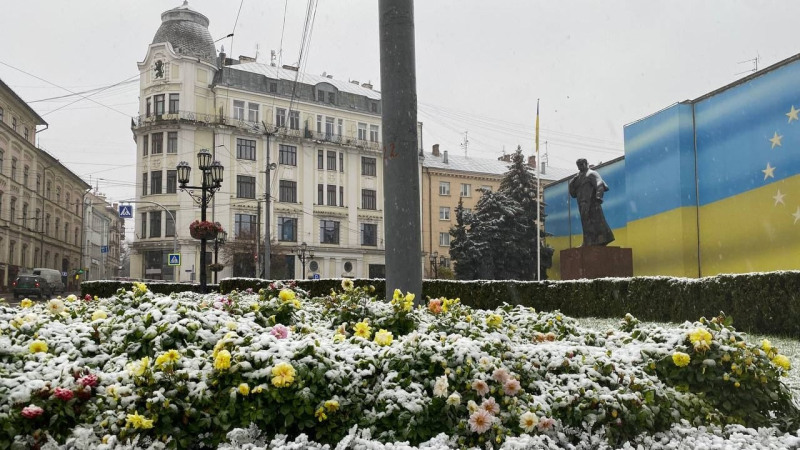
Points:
[125,212]
[174,259]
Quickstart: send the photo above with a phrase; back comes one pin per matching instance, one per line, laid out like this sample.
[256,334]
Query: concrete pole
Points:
[400,151]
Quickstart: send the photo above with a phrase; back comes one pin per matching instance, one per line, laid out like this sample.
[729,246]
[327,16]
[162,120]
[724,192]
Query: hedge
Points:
[758,302]
[107,288]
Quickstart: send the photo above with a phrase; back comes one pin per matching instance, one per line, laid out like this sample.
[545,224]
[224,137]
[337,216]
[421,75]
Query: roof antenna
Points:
[753,61]
[465,144]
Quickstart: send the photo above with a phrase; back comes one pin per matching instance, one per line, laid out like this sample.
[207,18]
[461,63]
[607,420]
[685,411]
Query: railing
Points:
[138,122]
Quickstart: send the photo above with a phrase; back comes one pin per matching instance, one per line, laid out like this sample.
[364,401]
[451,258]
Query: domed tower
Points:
[175,121]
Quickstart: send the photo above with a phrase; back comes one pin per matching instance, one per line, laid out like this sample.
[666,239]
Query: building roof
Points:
[22,103]
[279,73]
[485,166]
[187,31]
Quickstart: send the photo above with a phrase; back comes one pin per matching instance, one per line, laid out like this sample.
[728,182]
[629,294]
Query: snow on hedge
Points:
[276,369]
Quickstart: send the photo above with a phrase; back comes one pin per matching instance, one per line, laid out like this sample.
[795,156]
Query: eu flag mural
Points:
[706,186]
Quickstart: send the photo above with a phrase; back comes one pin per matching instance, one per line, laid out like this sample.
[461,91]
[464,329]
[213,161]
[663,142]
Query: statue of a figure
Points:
[588,187]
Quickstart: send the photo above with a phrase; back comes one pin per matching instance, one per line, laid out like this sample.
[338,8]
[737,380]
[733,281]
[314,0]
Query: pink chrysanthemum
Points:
[546,423]
[89,380]
[63,394]
[480,387]
[490,405]
[480,421]
[280,331]
[511,387]
[500,375]
[32,412]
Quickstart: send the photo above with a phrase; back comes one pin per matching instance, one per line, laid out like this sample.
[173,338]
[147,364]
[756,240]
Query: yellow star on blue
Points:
[776,140]
[769,172]
[793,114]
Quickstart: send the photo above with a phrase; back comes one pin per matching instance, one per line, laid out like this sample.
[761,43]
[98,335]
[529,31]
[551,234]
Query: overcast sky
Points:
[480,65]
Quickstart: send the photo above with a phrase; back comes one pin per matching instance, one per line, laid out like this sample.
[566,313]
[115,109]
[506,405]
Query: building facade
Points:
[322,134]
[448,178]
[103,232]
[41,201]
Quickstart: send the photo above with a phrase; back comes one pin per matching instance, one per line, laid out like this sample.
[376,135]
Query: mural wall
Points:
[706,186]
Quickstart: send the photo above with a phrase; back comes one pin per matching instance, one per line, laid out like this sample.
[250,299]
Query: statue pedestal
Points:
[596,262]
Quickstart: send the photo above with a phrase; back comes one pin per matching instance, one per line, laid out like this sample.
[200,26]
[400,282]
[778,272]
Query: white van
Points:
[53,278]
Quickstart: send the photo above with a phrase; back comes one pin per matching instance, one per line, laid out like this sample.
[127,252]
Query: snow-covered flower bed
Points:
[279,370]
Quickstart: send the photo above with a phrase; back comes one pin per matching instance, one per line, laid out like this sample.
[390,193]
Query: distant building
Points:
[323,134]
[103,234]
[446,178]
[41,201]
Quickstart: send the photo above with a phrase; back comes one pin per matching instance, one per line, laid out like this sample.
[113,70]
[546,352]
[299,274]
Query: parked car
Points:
[30,286]
[53,278]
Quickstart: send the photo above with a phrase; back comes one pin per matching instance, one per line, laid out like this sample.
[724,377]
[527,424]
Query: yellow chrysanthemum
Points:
[286,295]
[99,314]
[701,339]
[38,346]
[244,389]
[168,357]
[283,375]
[258,390]
[320,414]
[347,284]
[296,303]
[138,421]
[782,361]
[223,360]
[766,345]
[681,359]
[231,325]
[362,329]
[494,320]
[138,289]
[338,337]
[398,295]
[138,368]
[26,303]
[383,337]
[331,405]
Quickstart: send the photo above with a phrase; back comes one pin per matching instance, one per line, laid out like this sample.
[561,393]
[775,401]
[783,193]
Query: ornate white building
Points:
[323,135]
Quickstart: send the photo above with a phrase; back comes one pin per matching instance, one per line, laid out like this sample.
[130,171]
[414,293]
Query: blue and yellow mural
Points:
[706,186]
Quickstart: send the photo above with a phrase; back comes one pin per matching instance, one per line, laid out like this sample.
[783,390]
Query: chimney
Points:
[444,159]
[246,59]
[367,85]
[329,76]
[288,67]
[435,151]
[222,59]
[355,82]
[532,161]
[505,158]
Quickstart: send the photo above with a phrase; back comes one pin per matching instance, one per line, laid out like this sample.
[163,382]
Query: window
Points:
[287,229]
[331,160]
[320,194]
[444,188]
[25,173]
[369,234]
[466,190]
[11,247]
[280,117]
[2,157]
[36,219]
[246,149]
[47,225]
[145,144]
[25,215]
[14,169]
[331,97]
[373,133]
[67,200]
[331,195]
[144,184]
[244,225]
[66,232]
[76,236]
[320,96]
[47,189]
[252,112]
[157,146]
[155,224]
[25,133]
[169,228]
[369,199]
[288,191]
[174,104]
[374,107]
[1,206]
[362,132]
[294,120]
[341,162]
[444,239]
[35,256]
[444,213]
[58,194]
[238,110]
[341,195]
[23,255]
[273,87]
[14,123]
[39,183]
[341,127]
[329,126]
[368,166]
[329,232]
[320,159]
[149,107]
[172,142]
[1,114]
[159,101]
[58,226]
[245,186]
[319,124]
[172,181]
[287,155]
[155,182]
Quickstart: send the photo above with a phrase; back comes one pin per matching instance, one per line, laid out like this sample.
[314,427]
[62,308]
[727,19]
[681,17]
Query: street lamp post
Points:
[221,238]
[436,262]
[301,255]
[211,183]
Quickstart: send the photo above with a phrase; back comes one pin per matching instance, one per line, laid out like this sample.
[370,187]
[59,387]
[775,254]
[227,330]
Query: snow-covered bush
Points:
[187,369]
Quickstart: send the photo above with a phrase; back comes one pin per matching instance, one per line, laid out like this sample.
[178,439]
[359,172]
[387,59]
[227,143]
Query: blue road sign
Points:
[174,259]
[125,212]
[103,249]
[316,276]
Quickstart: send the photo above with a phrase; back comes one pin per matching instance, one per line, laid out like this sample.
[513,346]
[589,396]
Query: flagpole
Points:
[538,204]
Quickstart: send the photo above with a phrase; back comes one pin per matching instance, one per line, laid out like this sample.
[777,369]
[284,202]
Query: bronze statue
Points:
[588,187]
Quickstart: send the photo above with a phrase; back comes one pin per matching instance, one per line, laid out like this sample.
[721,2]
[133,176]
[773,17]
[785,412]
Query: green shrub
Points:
[107,288]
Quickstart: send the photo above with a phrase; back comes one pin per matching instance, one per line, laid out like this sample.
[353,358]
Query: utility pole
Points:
[267,224]
[465,144]
[258,237]
[400,150]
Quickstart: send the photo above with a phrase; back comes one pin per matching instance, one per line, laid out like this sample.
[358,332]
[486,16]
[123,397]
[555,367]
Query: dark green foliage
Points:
[107,288]
[462,251]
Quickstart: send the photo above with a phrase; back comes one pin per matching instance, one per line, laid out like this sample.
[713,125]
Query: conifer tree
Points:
[461,247]
[494,236]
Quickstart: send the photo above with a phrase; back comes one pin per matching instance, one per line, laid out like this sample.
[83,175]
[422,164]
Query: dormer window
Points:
[332,97]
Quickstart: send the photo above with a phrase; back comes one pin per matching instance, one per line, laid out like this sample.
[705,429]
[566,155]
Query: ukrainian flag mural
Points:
[706,186]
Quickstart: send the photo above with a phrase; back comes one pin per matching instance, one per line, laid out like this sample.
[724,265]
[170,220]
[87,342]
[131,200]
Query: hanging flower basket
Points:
[204,230]
[215,267]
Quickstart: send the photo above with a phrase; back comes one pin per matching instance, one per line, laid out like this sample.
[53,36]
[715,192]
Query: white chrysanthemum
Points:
[528,421]
[454,399]
[440,388]
[55,306]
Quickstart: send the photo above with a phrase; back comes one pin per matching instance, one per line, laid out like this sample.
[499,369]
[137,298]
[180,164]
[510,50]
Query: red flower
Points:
[87,297]
[32,412]
[63,394]
[89,380]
